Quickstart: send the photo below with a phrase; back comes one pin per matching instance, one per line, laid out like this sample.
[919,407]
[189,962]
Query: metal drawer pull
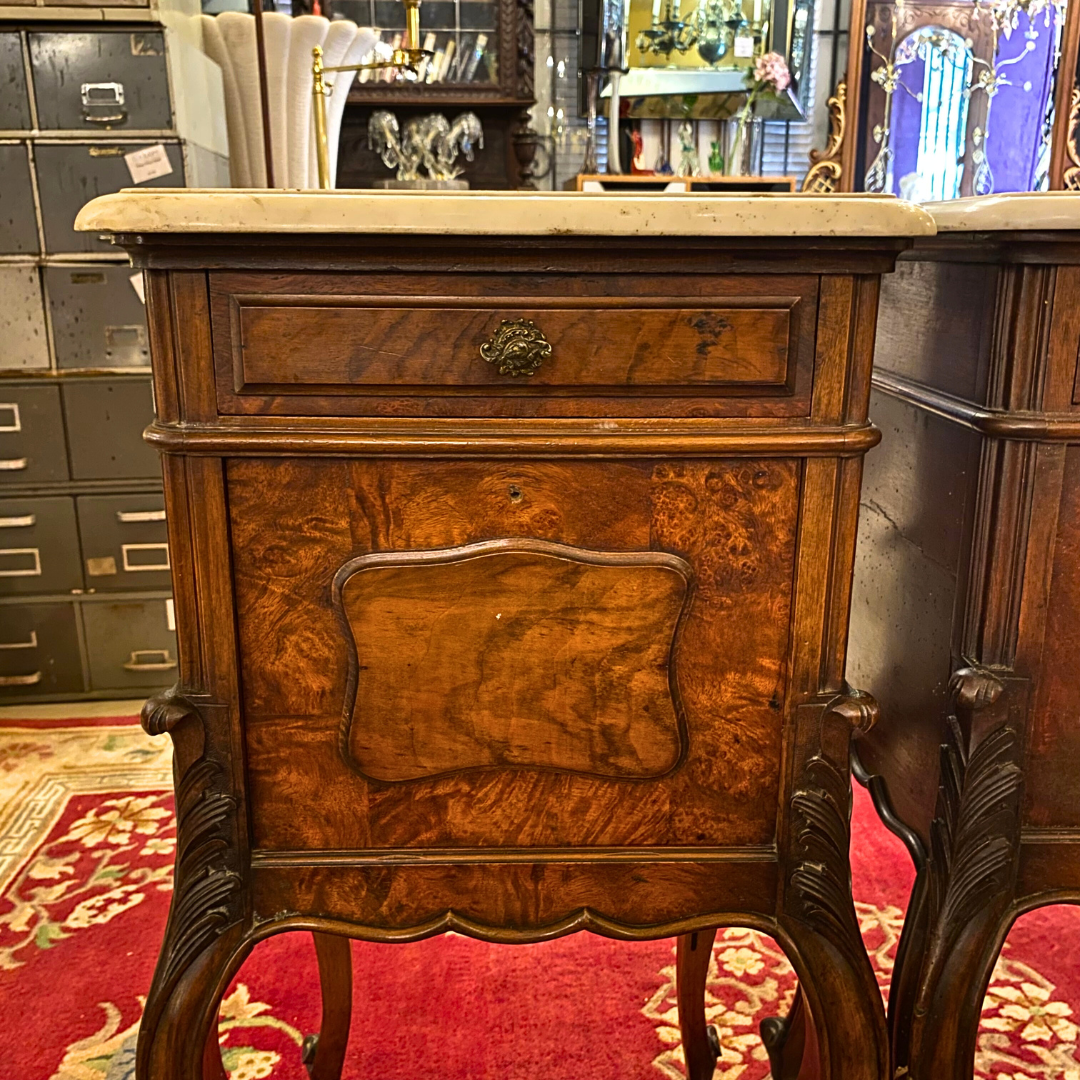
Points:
[166,663]
[127,517]
[104,95]
[518,347]
[16,421]
[31,644]
[35,571]
[13,464]
[126,549]
[20,680]
[17,522]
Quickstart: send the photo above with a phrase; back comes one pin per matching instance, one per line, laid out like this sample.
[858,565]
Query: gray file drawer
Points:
[105,422]
[14,104]
[102,80]
[32,448]
[98,319]
[18,222]
[39,650]
[39,546]
[124,541]
[71,174]
[129,644]
[23,340]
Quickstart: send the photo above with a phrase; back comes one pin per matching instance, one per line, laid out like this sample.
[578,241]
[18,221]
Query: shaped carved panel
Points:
[512,653]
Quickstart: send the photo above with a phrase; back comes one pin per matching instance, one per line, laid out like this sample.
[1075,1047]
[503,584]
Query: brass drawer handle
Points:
[518,347]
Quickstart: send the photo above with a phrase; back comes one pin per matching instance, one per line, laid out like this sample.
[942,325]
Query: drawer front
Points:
[516,345]
[101,81]
[14,103]
[124,541]
[23,341]
[32,448]
[130,645]
[70,175]
[18,220]
[98,319]
[39,546]
[105,422]
[39,651]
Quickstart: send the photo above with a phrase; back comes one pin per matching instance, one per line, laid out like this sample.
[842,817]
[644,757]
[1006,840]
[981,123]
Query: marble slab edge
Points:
[1042,211]
[231,210]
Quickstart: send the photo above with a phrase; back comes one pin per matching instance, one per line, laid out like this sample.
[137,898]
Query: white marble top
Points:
[493,213]
[1041,210]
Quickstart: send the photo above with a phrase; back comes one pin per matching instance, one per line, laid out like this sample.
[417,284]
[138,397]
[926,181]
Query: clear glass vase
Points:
[746,148]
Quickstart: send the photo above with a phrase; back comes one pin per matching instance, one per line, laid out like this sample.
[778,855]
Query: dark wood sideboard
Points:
[512,578]
[966,605]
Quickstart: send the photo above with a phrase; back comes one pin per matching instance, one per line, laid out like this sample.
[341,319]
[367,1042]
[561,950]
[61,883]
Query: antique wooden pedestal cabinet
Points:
[512,540]
[966,608]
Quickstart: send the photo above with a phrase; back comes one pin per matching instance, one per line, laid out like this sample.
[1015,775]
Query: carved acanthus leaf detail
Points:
[821,881]
[163,712]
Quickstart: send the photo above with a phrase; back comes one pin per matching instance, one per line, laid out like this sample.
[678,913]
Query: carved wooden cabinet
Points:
[512,544]
[965,621]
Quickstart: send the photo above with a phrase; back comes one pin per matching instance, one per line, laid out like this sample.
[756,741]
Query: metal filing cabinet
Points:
[131,644]
[124,541]
[32,448]
[18,220]
[24,343]
[71,174]
[84,558]
[14,102]
[98,316]
[39,546]
[39,650]
[104,80]
[105,420]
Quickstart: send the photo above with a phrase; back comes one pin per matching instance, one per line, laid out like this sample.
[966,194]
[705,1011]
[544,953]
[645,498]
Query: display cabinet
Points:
[483,63]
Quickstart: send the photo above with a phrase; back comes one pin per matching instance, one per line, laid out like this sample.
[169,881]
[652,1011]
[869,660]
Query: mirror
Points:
[960,97]
[701,50]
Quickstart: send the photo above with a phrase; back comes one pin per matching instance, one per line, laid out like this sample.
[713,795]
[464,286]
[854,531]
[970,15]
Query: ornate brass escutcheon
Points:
[518,347]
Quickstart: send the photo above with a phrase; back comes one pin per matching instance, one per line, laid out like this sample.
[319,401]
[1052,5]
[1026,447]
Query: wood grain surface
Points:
[295,522]
[512,652]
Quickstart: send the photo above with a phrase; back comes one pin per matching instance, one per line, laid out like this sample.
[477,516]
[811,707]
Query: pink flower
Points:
[772,71]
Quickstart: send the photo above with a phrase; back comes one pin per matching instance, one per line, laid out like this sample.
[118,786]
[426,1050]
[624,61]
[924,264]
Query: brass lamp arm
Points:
[404,59]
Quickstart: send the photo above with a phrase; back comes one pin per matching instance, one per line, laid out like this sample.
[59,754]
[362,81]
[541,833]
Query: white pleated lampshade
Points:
[229,39]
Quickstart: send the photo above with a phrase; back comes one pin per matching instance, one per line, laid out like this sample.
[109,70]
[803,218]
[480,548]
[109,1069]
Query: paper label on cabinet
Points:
[744,47]
[137,284]
[148,163]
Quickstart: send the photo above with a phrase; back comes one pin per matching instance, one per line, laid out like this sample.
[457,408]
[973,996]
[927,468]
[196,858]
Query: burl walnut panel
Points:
[512,653]
[297,523]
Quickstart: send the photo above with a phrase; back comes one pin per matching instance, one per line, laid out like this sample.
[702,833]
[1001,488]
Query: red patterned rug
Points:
[86,846]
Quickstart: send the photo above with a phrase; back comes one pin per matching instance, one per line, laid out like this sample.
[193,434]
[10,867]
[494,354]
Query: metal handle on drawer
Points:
[17,522]
[166,663]
[101,96]
[518,347]
[126,549]
[31,644]
[21,680]
[127,517]
[35,571]
[13,464]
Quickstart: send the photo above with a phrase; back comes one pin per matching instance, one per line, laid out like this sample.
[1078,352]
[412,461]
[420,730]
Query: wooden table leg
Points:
[791,1043]
[324,1054]
[701,1045]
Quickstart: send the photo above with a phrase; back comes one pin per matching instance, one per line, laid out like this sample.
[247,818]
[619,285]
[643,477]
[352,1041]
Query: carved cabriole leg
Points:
[324,1054]
[204,938]
[971,873]
[904,985]
[845,1024]
[701,1045]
